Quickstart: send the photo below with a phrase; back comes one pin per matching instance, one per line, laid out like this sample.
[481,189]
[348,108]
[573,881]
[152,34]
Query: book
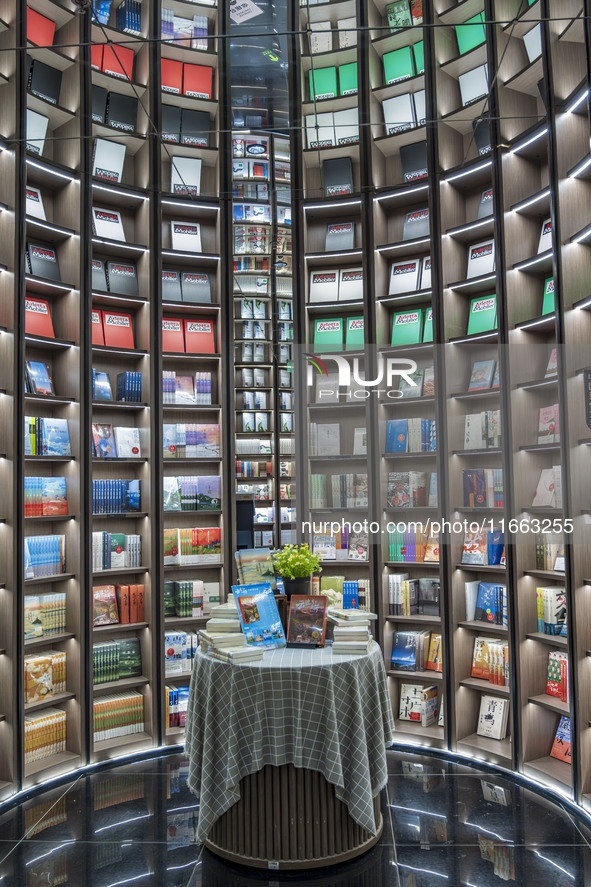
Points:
[346,126]
[107,224]
[108,160]
[354,333]
[561,745]
[399,114]
[320,37]
[398,65]
[340,236]
[532,40]
[36,131]
[406,327]
[324,286]
[117,329]
[548,300]
[127,442]
[199,335]
[404,276]
[173,339]
[545,496]
[307,619]
[99,276]
[101,386]
[483,315]
[103,440]
[104,605]
[194,126]
[492,717]
[196,287]
[414,161]
[348,84]
[185,176]
[186,236]
[320,132]
[482,375]
[34,203]
[122,278]
[39,377]
[549,424]
[197,81]
[121,111]
[471,33]
[43,261]
[473,84]
[338,176]
[323,83]
[398,15]
[329,334]
[259,615]
[481,258]
[545,242]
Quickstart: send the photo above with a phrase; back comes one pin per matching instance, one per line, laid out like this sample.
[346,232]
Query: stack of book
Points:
[190,441]
[418,704]
[486,602]
[45,496]
[192,493]
[490,661]
[115,496]
[118,715]
[45,614]
[44,556]
[223,638]
[350,630]
[45,675]
[116,660]
[493,717]
[410,597]
[552,611]
[557,684]
[45,734]
[184,599]
[47,437]
[416,650]
[111,551]
[415,544]
[413,435]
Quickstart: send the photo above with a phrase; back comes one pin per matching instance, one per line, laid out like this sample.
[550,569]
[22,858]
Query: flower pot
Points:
[301,585]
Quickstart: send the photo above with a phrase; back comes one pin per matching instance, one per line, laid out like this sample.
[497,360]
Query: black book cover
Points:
[121,112]
[171,124]
[122,278]
[99,280]
[43,261]
[171,286]
[338,176]
[196,286]
[99,104]
[481,128]
[414,161]
[45,82]
[194,128]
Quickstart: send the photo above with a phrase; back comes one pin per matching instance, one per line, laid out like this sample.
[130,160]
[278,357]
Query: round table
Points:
[288,755]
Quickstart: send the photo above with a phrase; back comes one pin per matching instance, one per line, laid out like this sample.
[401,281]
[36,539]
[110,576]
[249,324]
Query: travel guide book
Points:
[307,619]
[259,615]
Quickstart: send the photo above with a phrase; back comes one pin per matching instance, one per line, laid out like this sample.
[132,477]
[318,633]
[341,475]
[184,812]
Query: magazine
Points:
[259,615]
[307,619]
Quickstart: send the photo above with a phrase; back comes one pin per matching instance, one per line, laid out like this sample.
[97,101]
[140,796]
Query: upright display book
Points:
[194,128]
[320,37]
[117,329]
[329,334]
[96,321]
[399,114]
[416,224]
[99,104]
[185,176]
[99,277]
[107,223]
[320,131]
[199,336]
[122,278]
[196,287]
[545,242]
[172,335]
[398,65]
[481,258]
[419,99]
[398,15]
[338,176]
[355,333]
[340,236]
[483,315]
[186,236]
[548,302]
[171,286]
[473,84]
[404,276]
[406,327]
[482,375]
[348,84]
[104,441]
[350,284]
[482,136]
[121,111]
[471,34]
[43,261]
[34,203]
[307,619]
[259,615]
[38,318]
[36,131]
[197,81]
[486,206]
[493,716]
[324,286]
[561,746]
[533,43]
[414,161]
[39,377]
[323,83]
[426,274]
[108,160]
[346,126]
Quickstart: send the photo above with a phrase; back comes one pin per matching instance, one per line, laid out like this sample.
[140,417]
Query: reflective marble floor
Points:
[445,824]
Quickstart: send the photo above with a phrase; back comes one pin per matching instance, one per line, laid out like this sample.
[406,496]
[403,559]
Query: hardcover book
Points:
[350,284]
[196,287]
[104,441]
[127,442]
[323,83]
[172,335]
[324,286]
[199,335]
[197,81]
[406,327]
[485,207]
[340,236]
[398,65]
[99,277]
[399,114]
[561,746]
[548,301]
[346,126]
[107,223]
[171,286]
[186,236]
[307,619]
[39,377]
[34,203]
[329,334]
[194,128]
[171,124]
[338,176]
[404,276]
[99,104]
[481,258]
[185,176]
[492,719]
[38,318]
[117,329]
[36,131]
[482,375]
[473,84]
[414,161]
[45,82]
[483,315]
[121,111]
[96,320]
[108,160]
[471,34]
[416,224]
[43,261]
[122,278]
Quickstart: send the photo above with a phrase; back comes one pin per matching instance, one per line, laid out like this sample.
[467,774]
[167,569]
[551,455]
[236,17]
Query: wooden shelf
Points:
[118,626]
[551,703]
[550,770]
[415,675]
[42,580]
[419,619]
[119,571]
[551,640]
[485,687]
[481,568]
[546,574]
[483,627]
[499,750]
[117,741]
[49,639]
[417,732]
[47,703]
[46,765]
[121,684]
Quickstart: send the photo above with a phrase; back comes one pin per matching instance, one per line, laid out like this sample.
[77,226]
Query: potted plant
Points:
[296,564]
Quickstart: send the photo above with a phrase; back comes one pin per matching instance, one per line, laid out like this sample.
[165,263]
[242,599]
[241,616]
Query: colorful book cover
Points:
[474,549]
[104,603]
[489,604]
[561,746]
[307,619]
[104,441]
[55,437]
[404,651]
[53,496]
[474,483]
[396,436]
[483,315]
[482,375]
[259,615]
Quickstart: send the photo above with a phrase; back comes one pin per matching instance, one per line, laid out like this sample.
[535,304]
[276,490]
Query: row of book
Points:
[256,378]
[128,388]
[185,599]
[44,614]
[45,496]
[45,734]
[483,488]
[320,34]
[413,597]
[253,469]
[338,334]
[194,390]
[116,660]
[114,109]
[118,604]
[189,32]
[186,286]
[549,552]
[403,112]
[287,515]
[45,675]
[411,489]
[115,496]
[185,78]
[112,551]
[329,129]
[176,702]
[180,649]
[186,546]
[410,275]
[483,548]
[120,714]
[44,556]
[333,81]
[418,704]
[557,683]
[339,544]
[194,335]
[119,442]
[486,602]
[47,437]
[325,439]
[192,493]
[112,328]
[256,352]
[417,544]
[259,492]
[191,441]
[490,660]
[416,650]
[482,431]
[414,435]
[408,328]
[252,446]
[346,490]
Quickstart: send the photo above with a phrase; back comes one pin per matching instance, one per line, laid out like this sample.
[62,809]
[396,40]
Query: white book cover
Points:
[360,441]
[410,702]
[473,439]
[420,107]
[186,236]
[481,258]
[328,439]
[127,441]
[399,113]
[350,284]
[185,176]
[327,388]
[533,43]
[404,276]
[473,84]
[324,286]
[108,160]
[320,38]
[426,273]
[557,472]
[346,126]
[324,136]
[36,131]
[107,223]
[545,236]
[492,721]
[347,32]
[34,203]
[545,493]
[471,595]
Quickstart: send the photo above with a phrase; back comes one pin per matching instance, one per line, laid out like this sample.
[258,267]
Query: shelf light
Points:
[122,822]
[530,201]
[119,244]
[491,335]
[351,253]
[453,231]
[50,171]
[529,142]
[120,192]
[174,254]
[404,192]
[64,287]
[469,172]
[403,244]
[529,263]
[331,205]
[469,283]
[530,323]
[38,224]
[116,297]
[577,102]
[579,168]
[205,206]
[586,303]
[555,864]
[582,236]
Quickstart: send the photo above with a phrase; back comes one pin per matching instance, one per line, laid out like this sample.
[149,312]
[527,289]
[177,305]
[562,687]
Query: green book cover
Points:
[323,83]
[471,34]
[428,330]
[348,79]
[419,54]
[354,337]
[117,550]
[399,16]
[398,65]
[483,314]
[407,327]
[328,334]
[548,305]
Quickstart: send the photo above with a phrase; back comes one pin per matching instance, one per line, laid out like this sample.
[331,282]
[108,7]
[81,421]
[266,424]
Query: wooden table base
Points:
[289,818]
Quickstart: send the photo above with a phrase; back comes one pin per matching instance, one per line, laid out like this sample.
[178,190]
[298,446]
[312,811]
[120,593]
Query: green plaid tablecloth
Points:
[304,707]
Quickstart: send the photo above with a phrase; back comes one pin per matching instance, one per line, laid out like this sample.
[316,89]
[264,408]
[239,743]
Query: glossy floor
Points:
[445,824]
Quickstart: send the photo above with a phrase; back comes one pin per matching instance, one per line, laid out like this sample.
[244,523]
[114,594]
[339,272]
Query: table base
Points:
[289,818]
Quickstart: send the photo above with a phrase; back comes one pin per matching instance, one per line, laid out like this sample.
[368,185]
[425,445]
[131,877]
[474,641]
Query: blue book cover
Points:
[39,377]
[489,603]
[131,501]
[56,438]
[495,546]
[259,615]
[101,386]
[396,435]
[404,651]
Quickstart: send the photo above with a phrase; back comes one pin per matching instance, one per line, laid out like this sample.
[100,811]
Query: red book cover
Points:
[172,335]
[117,330]
[118,61]
[199,336]
[97,328]
[122,593]
[96,56]
[171,75]
[561,745]
[133,603]
[197,81]
[40,30]
[140,603]
[38,319]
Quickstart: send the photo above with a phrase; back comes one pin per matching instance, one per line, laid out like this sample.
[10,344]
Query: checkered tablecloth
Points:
[304,707]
